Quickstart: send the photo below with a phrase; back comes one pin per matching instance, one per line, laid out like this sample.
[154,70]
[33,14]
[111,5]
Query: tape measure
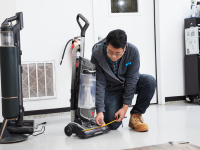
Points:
[103,125]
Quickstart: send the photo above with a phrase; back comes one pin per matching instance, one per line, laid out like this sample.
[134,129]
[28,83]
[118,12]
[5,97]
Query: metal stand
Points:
[6,137]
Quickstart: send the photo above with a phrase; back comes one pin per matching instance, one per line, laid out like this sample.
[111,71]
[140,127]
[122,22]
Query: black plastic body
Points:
[10,108]
[191,22]
[16,30]
[80,122]
[77,129]
[83,28]
[89,113]
[192,65]
[75,91]
[7,138]
[29,123]
[9,82]
[192,75]
[93,132]
[18,17]
[28,127]
[9,71]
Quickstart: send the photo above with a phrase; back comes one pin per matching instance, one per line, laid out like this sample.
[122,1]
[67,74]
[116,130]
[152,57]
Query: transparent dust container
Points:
[87,91]
[7,38]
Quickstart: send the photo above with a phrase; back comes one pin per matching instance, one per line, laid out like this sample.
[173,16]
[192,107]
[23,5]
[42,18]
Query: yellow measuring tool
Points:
[102,125]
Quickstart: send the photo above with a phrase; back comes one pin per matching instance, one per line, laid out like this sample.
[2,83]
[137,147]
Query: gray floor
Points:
[172,122]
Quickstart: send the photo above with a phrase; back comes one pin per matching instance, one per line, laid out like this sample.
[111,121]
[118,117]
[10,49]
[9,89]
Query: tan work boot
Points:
[136,122]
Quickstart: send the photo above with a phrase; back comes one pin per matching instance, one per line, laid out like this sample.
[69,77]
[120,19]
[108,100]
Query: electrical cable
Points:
[43,128]
[66,47]
[40,124]
[38,131]
[64,51]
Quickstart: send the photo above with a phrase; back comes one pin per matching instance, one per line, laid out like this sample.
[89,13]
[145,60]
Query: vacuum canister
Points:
[87,89]
[9,73]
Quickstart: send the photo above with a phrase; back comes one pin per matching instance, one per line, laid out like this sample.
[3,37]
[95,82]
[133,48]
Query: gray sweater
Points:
[128,74]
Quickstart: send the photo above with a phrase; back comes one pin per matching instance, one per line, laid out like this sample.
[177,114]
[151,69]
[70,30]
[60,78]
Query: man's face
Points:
[115,53]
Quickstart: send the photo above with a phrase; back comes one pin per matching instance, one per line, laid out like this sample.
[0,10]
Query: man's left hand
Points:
[121,113]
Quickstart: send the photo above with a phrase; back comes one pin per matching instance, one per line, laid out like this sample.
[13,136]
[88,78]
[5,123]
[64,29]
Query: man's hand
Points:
[121,113]
[99,119]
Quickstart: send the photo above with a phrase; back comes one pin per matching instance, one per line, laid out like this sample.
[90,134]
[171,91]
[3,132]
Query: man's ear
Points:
[125,48]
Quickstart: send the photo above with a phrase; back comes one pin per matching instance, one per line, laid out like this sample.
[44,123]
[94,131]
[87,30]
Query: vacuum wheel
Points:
[68,130]
[189,99]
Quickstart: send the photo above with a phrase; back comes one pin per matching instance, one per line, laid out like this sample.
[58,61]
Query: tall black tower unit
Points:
[192,59]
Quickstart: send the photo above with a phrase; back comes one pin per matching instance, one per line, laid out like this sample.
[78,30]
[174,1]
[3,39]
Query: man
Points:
[118,79]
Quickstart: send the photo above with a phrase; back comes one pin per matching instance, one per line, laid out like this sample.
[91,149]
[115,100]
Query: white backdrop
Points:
[48,25]
[139,30]
[170,47]
[41,39]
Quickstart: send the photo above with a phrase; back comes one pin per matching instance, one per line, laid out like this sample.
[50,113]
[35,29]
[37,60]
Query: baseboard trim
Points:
[174,98]
[46,111]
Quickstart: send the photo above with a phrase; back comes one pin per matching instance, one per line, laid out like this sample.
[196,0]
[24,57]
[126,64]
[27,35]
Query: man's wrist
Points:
[100,109]
[125,106]
[100,113]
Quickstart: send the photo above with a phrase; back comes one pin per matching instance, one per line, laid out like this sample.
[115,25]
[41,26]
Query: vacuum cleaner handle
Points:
[83,28]
[19,18]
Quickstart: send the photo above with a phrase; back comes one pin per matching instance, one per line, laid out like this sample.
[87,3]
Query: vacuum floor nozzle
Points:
[27,128]
[93,132]
[82,132]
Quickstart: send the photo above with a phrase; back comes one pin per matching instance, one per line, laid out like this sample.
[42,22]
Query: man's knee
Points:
[115,125]
[151,81]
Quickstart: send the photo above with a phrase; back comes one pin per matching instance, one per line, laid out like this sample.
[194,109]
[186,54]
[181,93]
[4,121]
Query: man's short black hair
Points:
[117,38]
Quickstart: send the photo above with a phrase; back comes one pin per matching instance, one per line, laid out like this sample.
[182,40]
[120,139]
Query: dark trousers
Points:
[114,99]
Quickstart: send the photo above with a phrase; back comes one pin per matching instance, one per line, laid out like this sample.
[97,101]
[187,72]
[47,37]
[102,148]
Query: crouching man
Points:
[118,79]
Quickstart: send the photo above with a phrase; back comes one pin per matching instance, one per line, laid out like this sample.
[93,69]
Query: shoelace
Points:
[138,118]
[141,118]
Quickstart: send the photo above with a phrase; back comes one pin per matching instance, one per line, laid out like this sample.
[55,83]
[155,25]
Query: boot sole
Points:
[138,130]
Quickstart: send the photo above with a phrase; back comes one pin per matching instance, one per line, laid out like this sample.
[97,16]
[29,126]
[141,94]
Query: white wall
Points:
[170,47]
[138,27]
[48,25]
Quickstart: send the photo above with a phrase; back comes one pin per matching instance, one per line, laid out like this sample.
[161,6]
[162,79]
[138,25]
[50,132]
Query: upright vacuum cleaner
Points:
[13,128]
[83,90]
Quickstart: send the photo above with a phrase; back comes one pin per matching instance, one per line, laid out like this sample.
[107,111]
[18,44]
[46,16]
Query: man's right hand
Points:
[100,119]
